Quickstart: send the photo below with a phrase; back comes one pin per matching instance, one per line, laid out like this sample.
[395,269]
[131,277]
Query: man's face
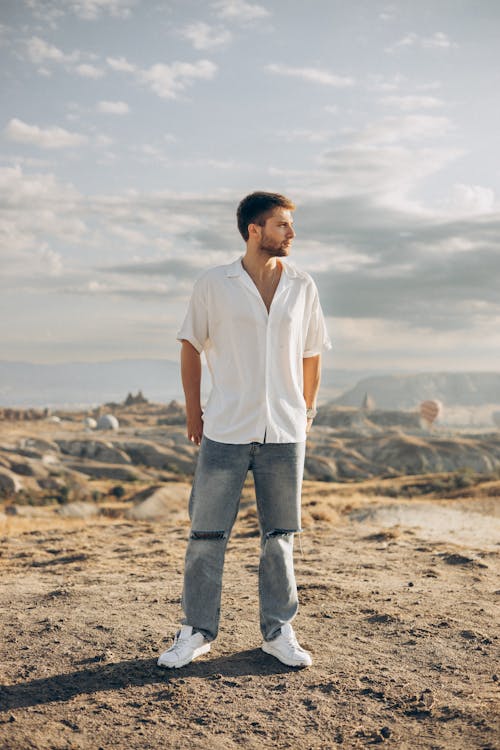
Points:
[277,233]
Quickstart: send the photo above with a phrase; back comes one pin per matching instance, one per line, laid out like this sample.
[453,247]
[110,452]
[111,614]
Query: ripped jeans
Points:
[213,506]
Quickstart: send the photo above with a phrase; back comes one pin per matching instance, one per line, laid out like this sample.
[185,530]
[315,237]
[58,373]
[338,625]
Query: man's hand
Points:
[191,380]
[312,372]
[195,428]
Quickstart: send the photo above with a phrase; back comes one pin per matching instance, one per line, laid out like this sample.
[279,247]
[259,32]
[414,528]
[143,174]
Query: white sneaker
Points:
[186,647]
[287,649]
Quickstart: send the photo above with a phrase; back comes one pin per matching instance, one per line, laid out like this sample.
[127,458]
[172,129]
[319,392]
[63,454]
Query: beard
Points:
[272,248]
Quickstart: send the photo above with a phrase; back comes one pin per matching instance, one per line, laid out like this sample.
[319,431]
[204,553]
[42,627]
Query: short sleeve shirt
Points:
[255,357]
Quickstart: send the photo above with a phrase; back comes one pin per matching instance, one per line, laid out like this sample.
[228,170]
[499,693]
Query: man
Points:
[260,324]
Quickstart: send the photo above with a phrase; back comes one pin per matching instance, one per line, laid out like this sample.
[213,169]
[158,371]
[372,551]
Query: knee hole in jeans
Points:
[279,532]
[208,535]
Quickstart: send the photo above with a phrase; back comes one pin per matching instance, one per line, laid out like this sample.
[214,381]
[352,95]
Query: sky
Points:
[131,129]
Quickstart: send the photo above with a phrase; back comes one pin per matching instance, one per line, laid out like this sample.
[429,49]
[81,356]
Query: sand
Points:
[399,611]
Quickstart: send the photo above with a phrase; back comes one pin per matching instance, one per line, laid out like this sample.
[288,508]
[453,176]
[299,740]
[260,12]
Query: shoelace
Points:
[292,640]
[176,640]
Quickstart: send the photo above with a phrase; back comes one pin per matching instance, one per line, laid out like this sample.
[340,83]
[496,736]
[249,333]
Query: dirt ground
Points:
[402,622]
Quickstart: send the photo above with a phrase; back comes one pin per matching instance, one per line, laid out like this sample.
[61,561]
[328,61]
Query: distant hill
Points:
[82,384]
[75,384]
[407,391]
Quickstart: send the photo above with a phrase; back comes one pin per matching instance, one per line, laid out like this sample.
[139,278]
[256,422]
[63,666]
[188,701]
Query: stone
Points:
[108,422]
[80,510]
[98,450]
[163,504]
[106,471]
[10,484]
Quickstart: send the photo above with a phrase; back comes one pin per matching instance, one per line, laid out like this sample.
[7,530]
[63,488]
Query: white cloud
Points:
[388,172]
[438,40]
[90,10]
[310,136]
[203,36]
[121,65]
[168,81]
[387,15]
[409,102]
[470,199]
[50,11]
[52,138]
[212,163]
[43,54]
[403,128]
[315,75]
[131,236]
[113,108]
[36,210]
[39,51]
[89,71]
[431,86]
[50,262]
[387,160]
[104,141]
[5,32]
[240,11]
[383,84]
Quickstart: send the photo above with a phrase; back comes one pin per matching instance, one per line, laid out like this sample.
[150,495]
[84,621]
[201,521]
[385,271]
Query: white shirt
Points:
[255,357]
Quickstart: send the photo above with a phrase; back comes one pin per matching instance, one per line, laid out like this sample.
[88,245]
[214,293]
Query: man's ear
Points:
[254,230]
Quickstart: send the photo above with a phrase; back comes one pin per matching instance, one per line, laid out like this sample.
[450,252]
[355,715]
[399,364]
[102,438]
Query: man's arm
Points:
[191,382]
[312,376]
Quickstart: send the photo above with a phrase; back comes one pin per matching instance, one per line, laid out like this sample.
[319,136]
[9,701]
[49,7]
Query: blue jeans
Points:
[213,506]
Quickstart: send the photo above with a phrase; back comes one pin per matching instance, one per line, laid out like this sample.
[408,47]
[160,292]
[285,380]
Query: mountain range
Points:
[85,384]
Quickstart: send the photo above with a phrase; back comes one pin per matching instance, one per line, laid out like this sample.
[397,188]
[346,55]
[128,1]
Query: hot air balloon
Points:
[430,411]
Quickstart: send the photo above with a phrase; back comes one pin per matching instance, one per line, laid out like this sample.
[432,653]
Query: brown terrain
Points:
[397,570]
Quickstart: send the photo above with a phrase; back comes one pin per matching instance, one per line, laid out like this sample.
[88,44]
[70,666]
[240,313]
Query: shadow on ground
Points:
[135,673]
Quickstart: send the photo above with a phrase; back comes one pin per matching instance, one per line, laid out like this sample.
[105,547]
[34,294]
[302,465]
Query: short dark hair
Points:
[257,207]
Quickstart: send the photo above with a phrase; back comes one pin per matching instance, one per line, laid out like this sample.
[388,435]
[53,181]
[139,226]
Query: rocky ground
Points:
[398,582]
[60,458]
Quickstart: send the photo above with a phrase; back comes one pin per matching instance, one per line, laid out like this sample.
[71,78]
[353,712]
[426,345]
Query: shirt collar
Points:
[236,269]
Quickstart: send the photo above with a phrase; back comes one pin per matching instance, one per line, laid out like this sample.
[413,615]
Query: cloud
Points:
[203,36]
[240,11]
[470,199]
[85,70]
[409,102]
[121,65]
[36,212]
[50,11]
[50,261]
[313,75]
[390,173]
[175,267]
[303,134]
[404,128]
[113,107]
[168,81]
[387,160]
[39,52]
[90,10]
[51,138]
[439,40]
[424,274]
[43,54]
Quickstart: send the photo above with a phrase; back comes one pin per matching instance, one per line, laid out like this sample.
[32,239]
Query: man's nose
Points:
[291,232]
